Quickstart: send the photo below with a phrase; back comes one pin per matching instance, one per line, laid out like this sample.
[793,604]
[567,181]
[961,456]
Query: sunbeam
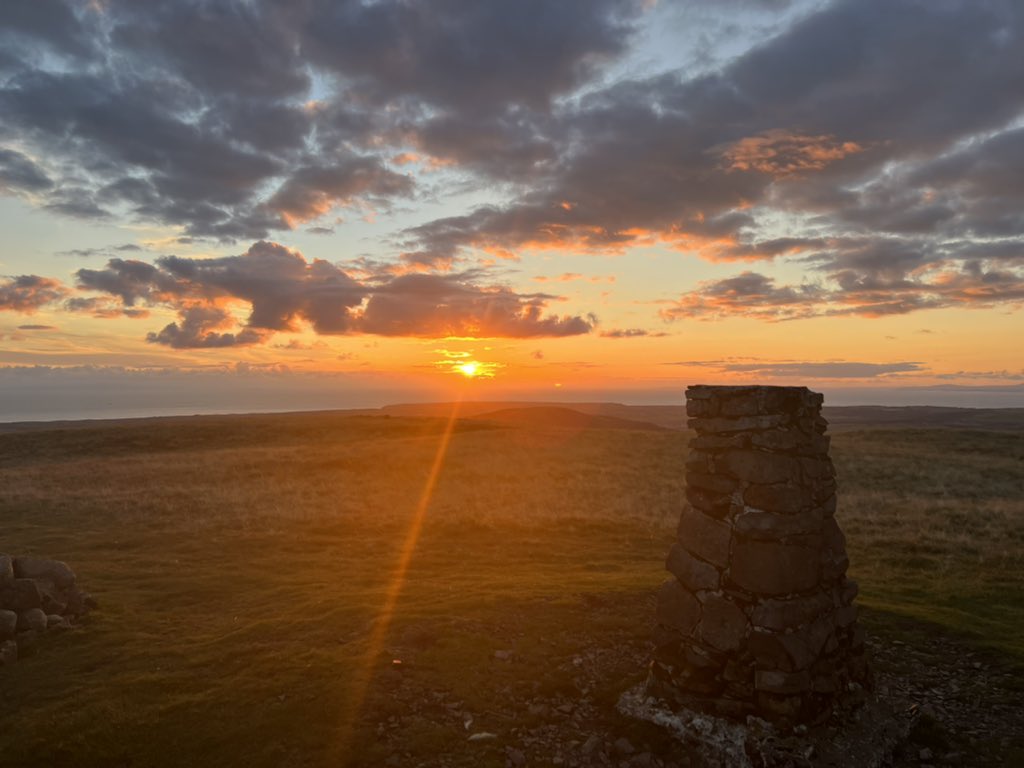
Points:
[365,671]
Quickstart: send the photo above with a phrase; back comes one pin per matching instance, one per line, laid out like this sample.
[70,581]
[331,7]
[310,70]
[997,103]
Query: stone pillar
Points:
[758,617]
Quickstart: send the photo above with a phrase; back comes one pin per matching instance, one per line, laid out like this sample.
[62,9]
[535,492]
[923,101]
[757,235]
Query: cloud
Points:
[443,305]
[630,333]
[235,119]
[866,140]
[105,251]
[312,191]
[29,293]
[779,153]
[33,327]
[466,55]
[856,283]
[198,328]
[749,294]
[19,173]
[813,370]
[283,291]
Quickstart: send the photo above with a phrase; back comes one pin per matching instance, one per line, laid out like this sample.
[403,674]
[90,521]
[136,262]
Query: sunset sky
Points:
[278,205]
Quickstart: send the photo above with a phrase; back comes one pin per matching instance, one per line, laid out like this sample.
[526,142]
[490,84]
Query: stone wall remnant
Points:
[758,617]
[36,595]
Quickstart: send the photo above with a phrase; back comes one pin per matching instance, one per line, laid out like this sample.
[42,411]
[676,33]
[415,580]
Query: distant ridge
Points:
[558,417]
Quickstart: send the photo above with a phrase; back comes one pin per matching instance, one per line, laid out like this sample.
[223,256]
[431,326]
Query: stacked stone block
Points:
[758,617]
[37,595]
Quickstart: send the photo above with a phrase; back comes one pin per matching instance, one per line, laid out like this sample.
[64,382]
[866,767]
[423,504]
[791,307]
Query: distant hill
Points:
[558,417]
[918,416]
[577,416]
[667,416]
[674,416]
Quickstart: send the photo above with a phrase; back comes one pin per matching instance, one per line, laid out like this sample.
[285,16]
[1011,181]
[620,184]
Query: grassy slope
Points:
[240,563]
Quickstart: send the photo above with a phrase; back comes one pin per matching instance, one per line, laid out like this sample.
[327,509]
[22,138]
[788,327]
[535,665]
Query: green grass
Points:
[241,563]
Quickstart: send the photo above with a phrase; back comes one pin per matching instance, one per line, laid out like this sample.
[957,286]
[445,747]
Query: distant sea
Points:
[55,401]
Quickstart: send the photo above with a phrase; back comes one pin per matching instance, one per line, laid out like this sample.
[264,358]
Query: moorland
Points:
[403,588]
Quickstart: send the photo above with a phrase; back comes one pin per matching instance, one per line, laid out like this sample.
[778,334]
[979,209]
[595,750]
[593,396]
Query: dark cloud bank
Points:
[876,143]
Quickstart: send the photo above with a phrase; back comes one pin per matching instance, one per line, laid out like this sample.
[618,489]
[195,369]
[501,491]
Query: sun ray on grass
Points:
[364,674]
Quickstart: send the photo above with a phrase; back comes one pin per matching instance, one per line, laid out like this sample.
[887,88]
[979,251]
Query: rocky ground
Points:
[962,706]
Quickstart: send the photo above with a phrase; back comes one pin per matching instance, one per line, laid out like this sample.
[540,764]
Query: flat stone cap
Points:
[704,400]
[707,391]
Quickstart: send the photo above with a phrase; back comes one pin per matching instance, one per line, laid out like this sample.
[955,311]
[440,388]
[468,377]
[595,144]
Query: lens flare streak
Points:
[364,674]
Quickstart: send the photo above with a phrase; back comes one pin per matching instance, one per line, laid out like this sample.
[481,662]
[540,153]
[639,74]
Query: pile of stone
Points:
[36,596]
[758,618]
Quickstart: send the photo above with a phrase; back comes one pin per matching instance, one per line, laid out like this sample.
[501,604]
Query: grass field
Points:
[242,565]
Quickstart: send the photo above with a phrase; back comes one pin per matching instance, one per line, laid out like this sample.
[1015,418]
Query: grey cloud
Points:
[197,328]
[694,163]
[19,173]
[442,305]
[282,289]
[187,113]
[815,370]
[851,292]
[34,327]
[314,190]
[51,22]
[466,55]
[629,333]
[217,47]
[750,294]
[28,293]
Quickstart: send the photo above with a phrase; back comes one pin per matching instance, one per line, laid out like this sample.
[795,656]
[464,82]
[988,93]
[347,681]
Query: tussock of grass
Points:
[240,564]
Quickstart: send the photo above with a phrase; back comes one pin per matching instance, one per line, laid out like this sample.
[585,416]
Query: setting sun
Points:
[469,369]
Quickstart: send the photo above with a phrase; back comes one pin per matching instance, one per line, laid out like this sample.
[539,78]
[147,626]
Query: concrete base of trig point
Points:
[757,624]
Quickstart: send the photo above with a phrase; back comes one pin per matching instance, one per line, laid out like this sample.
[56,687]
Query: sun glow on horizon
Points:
[464,364]
[469,369]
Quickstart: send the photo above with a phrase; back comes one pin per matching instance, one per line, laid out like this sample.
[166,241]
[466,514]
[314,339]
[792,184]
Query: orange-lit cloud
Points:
[843,292]
[781,153]
[283,290]
[28,293]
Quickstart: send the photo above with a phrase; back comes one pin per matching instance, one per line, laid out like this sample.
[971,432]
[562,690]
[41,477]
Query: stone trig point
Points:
[758,617]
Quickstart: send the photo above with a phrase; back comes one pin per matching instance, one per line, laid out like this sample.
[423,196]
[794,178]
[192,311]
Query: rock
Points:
[718,442]
[723,625]
[780,615]
[622,746]
[714,504]
[768,651]
[8,652]
[692,573]
[503,655]
[714,483]
[26,595]
[704,536]
[41,568]
[8,624]
[768,526]
[759,466]
[482,736]
[56,622]
[53,600]
[34,619]
[677,607]
[591,745]
[515,757]
[6,569]
[741,424]
[774,681]
[783,498]
[772,568]
[739,406]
